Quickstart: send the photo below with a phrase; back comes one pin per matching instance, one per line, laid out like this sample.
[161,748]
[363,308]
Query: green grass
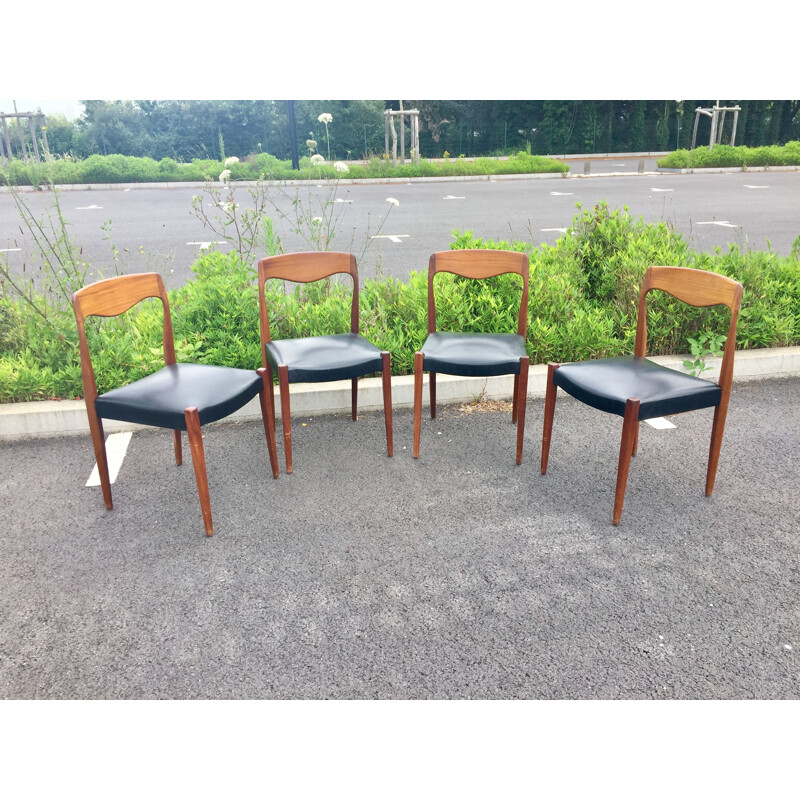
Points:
[722,155]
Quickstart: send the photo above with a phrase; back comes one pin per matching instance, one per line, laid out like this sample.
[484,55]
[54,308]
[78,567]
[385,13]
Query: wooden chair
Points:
[636,388]
[475,354]
[178,396]
[333,357]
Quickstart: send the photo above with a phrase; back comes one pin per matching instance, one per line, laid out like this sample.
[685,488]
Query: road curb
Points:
[52,418]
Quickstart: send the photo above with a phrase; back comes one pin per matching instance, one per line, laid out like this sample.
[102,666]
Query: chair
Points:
[182,397]
[334,357]
[636,388]
[475,354]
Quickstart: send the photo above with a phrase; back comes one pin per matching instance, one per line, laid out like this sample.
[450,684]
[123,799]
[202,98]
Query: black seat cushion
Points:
[325,358]
[161,398]
[607,383]
[473,354]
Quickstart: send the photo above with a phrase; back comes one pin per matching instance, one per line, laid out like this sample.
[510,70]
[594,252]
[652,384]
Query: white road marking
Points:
[87,208]
[723,222]
[560,230]
[116,447]
[662,190]
[204,245]
[10,249]
[394,237]
[660,422]
[452,197]
[750,186]
[561,194]
[340,200]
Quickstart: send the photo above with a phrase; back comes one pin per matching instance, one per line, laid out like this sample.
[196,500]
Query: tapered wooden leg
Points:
[720,414]
[549,411]
[286,419]
[99,445]
[354,397]
[521,398]
[199,461]
[514,399]
[636,440]
[269,420]
[270,386]
[630,424]
[176,435]
[417,401]
[387,400]
[432,391]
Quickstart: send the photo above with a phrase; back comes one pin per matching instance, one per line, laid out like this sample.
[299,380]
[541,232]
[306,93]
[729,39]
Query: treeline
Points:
[187,129]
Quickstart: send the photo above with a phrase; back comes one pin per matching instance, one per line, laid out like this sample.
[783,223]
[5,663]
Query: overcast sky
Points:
[71,109]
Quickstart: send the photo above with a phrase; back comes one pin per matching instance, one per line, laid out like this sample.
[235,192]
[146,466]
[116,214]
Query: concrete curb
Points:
[48,418]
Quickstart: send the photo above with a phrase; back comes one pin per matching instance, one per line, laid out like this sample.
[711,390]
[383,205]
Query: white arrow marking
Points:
[560,230]
[116,447]
[394,237]
[561,194]
[204,245]
[452,197]
[662,190]
[749,186]
[659,422]
[87,208]
[723,222]
[10,249]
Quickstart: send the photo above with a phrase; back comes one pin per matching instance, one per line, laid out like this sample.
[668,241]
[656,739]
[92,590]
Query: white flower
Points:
[231,160]
[316,221]
[311,144]
[340,166]
[393,201]
[225,175]
[229,206]
[326,118]
[317,159]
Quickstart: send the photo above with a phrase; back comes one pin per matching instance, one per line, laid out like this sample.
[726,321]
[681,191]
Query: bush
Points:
[723,155]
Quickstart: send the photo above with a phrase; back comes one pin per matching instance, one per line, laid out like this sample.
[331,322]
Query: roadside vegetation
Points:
[723,155]
[583,293]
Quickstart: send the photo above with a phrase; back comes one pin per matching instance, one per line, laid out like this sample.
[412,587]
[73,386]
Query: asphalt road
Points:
[458,575]
[154,228]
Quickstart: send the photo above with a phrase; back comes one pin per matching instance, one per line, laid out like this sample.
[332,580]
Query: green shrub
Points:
[722,155]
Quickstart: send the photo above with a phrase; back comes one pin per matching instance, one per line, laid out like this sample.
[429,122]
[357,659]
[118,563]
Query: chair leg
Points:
[720,414]
[432,391]
[549,411]
[99,445]
[354,397]
[270,387]
[521,398]
[514,400]
[636,440]
[387,400]
[417,401]
[630,424]
[176,435]
[199,461]
[269,420]
[286,419]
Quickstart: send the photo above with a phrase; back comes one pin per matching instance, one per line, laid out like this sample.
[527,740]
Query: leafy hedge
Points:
[132,169]
[583,295]
[723,155]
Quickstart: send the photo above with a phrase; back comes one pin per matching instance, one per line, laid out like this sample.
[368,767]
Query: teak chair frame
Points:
[307,268]
[477,265]
[697,288]
[110,298]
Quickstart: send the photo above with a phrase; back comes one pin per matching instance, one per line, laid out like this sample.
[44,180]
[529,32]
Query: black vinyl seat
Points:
[636,388]
[336,357]
[607,383]
[327,357]
[182,397]
[474,354]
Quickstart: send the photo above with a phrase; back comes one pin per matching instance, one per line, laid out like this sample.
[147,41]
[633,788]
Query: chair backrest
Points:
[304,268]
[699,288]
[479,264]
[110,298]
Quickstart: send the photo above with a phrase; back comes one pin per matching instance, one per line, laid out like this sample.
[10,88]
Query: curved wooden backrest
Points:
[304,268]
[479,264]
[699,288]
[110,298]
